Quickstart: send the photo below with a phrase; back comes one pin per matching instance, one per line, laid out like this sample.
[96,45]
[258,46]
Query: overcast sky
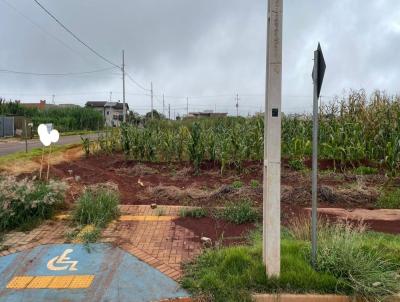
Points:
[208,48]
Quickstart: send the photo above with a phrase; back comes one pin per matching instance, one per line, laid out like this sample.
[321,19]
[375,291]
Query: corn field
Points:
[353,130]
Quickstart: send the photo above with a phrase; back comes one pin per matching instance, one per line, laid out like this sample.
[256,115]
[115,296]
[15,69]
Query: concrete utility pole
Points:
[272,142]
[237,105]
[110,96]
[163,105]
[151,95]
[187,106]
[169,111]
[53,101]
[123,87]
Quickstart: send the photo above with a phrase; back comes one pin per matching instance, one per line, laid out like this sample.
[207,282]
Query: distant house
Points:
[207,113]
[112,111]
[42,105]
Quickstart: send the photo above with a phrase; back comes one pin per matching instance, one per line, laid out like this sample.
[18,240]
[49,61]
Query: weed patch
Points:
[97,207]
[194,213]
[362,170]
[296,164]
[254,183]
[239,212]
[237,184]
[27,202]
[389,199]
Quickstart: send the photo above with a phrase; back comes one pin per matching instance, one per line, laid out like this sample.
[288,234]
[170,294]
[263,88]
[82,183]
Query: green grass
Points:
[239,212]
[296,164]
[194,213]
[237,184]
[362,170]
[254,183]
[97,207]
[233,273]
[389,199]
[79,132]
[35,152]
[350,261]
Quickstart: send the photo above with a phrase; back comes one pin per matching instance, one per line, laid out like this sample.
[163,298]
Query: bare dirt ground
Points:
[176,184]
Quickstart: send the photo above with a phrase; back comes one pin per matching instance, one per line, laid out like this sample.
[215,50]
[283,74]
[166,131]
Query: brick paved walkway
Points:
[152,238]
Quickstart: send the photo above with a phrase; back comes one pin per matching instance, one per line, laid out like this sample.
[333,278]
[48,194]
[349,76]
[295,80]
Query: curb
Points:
[308,298]
[300,298]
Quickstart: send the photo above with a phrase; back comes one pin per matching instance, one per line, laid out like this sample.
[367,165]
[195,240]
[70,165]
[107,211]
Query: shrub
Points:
[239,212]
[362,170]
[237,184]
[26,202]
[389,199]
[254,183]
[194,213]
[97,206]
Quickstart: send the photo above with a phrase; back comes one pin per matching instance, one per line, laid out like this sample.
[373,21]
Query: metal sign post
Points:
[272,142]
[318,77]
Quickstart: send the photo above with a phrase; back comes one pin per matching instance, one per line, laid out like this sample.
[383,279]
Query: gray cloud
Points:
[198,48]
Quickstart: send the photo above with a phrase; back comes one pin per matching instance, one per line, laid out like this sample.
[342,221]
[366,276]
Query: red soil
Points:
[176,184]
[228,233]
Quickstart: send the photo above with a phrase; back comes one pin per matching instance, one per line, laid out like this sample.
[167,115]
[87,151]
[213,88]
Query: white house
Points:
[112,111]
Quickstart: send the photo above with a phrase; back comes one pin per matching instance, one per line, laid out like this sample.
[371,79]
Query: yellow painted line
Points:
[53,282]
[130,218]
[146,218]
[63,217]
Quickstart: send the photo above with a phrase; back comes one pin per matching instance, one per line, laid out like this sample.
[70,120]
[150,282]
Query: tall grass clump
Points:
[25,202]
[389,199]
[239,212]
[344,251]
[97,206]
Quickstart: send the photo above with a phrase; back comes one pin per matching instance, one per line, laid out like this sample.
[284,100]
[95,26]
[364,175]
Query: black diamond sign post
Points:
[318,77]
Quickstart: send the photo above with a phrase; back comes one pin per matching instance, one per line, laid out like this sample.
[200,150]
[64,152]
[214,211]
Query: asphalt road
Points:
[9,146]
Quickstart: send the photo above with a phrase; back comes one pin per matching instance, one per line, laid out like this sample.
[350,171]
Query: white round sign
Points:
[54,136]
[42,130]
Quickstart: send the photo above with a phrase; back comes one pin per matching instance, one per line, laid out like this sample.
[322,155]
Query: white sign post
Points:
[272,142]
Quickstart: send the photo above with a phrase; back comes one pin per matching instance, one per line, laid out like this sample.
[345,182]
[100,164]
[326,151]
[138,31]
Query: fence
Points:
[6,126]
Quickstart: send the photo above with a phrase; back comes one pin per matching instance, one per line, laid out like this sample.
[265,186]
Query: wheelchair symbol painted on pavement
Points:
[63,262]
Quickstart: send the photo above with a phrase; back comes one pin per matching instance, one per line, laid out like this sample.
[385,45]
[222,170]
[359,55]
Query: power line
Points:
[135,82]
[41,28]
[75,36]
[54,74]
